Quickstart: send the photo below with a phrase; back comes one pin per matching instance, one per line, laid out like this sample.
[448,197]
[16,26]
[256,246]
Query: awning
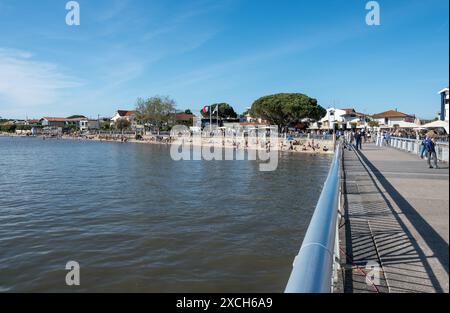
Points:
[401,124]
[437,124]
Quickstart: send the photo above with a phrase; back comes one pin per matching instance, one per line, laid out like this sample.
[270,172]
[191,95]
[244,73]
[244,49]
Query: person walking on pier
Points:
[423,148]
[358,140]
[431,149]
[380,139]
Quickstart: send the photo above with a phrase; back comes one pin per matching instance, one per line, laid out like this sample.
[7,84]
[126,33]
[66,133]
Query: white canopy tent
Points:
[437,124]
[401,124]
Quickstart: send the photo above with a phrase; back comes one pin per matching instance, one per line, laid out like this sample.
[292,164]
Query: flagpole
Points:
[217,108]
[210,120]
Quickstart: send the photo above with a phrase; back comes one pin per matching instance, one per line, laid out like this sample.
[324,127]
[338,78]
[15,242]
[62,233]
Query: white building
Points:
[124,114]
[444,114]
[80,123]
[53,121]
[392,117]
[343,118]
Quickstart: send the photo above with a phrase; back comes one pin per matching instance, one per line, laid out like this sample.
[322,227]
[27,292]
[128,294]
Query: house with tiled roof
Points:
[342,119]
[53,121]
[392,117]
[184,117]
[124,114]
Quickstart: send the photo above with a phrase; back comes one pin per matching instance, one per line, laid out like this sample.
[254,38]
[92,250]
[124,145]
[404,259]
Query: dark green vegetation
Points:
[286,108]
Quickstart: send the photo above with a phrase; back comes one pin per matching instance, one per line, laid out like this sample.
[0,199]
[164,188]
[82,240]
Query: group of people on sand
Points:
[307,146]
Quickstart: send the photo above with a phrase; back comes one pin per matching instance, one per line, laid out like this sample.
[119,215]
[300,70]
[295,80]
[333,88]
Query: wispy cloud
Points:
[183,18]
[261,55]
[26,82]
[114,9]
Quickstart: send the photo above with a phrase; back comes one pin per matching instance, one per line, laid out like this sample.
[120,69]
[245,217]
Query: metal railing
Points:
[315,266]
[414,146]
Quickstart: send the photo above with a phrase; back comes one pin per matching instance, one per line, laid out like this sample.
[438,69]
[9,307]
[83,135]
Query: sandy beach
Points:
[298,146]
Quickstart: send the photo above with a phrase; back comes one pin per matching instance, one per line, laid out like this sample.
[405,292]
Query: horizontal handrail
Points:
[313,268]
[441,143]
[415,146]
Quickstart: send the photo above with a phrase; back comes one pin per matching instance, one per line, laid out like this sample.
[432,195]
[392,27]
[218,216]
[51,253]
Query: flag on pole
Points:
[216,109]
[205,109]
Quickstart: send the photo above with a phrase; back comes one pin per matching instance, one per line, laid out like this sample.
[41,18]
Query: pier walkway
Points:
[396,215]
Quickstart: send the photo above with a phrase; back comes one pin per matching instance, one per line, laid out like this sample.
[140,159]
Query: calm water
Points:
[137,221]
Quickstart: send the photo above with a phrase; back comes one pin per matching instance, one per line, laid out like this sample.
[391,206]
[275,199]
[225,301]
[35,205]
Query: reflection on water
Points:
[137,221]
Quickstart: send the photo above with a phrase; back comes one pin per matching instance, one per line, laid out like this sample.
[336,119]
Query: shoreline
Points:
[96,138]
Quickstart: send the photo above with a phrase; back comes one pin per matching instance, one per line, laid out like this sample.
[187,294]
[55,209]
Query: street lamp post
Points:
[331,121]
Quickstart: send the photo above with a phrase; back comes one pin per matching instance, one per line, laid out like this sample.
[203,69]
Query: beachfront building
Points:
[93,125]
[32,122]
[247,118]
[393,117]
[444,114]
[20,122]
[53,122]
[80,123]
[342,119]
[184,119]
[125,114]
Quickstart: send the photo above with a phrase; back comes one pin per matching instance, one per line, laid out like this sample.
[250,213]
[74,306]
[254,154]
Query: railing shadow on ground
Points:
[359,249]
[407,264]
[436,243]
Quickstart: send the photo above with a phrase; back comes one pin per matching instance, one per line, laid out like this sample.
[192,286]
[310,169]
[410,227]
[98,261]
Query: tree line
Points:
[283,109]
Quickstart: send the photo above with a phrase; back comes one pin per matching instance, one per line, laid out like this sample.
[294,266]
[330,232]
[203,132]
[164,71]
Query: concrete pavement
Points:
[396,216]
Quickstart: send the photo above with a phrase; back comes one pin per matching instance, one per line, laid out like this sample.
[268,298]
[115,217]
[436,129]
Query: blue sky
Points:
[205,51]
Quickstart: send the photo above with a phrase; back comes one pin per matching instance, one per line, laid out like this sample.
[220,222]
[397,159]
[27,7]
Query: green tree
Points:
[188,111]
[286,108]
[122,124]
[105,125]
[156,111]
[8,128]
[225,111]
[76,116]
[23,127]
[373,124]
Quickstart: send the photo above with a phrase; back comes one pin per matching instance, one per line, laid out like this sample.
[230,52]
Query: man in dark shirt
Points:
[431,149]
[358,139]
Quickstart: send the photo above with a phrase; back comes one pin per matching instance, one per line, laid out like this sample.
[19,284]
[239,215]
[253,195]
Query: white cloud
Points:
[27,83]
